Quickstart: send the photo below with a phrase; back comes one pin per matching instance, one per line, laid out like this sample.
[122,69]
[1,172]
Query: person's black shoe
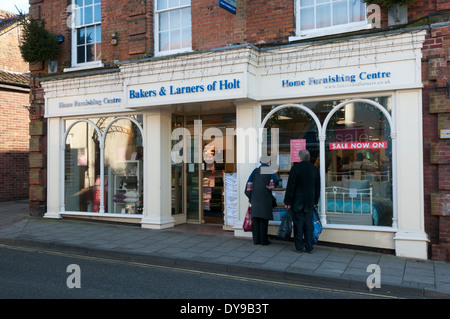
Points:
[310,251]
[298,251]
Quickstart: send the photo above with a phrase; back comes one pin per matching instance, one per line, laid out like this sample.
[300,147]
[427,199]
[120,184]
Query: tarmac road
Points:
[198,247]
[42,273]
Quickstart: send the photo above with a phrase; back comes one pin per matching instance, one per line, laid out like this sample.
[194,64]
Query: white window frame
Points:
[334,29]
[75,66]
[156,30]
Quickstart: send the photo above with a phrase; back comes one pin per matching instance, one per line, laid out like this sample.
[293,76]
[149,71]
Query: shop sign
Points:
[229,5]
[89,102]
[340,80]
[83,104]
[182,91]
[358,145]
[171,90]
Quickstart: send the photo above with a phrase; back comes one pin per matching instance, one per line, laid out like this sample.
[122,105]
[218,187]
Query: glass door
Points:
[198,182]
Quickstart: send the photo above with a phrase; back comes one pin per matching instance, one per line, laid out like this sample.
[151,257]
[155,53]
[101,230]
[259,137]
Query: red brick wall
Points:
[436,115]
[10,58]
[132,23]
[14,145]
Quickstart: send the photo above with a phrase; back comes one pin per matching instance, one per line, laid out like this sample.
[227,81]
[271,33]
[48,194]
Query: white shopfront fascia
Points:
[354,68]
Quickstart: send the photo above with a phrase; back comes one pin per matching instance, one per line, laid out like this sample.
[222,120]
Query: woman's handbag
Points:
[248,220]
[285,229]
[317,226]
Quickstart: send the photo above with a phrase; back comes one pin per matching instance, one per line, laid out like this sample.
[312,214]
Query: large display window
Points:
[357,155]
[103,163]
[358,152]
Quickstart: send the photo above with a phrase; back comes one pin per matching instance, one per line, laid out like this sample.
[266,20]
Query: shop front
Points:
[168,141]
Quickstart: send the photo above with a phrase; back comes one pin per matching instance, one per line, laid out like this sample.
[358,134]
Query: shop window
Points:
[358,155]
[86,33]
[124,167]
[296,130]
[122,163]
[81,160]
[172,26]
[358,168]
[325,17]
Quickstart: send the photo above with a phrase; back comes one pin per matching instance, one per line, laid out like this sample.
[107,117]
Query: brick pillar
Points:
[38,148]
[436,74]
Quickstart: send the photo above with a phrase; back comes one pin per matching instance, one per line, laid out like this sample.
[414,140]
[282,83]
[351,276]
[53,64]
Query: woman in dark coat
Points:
[258,191]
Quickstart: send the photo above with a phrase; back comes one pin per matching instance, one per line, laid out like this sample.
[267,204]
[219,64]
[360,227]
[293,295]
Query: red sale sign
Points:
[358,145]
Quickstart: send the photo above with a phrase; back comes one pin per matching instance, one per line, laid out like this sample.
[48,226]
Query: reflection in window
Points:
[317,14]
[87,31]
[80,159]
[358,153]
[293,124]
[358,156]
[123,165]
[173,19]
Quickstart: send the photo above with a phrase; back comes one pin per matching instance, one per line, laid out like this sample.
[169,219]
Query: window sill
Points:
[89,66]
[173,52]
[330,31]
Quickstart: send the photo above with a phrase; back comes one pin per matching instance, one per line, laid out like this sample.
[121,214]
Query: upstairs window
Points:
[86,33]
[325,17]
[173,26]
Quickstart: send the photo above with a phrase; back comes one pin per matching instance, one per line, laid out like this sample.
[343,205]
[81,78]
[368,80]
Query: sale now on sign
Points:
[358,145]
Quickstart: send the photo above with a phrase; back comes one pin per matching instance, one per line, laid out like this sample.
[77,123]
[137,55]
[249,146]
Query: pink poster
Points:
[296,146]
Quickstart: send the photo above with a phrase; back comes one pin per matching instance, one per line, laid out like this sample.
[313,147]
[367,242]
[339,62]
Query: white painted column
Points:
[55,173]
[410,239]
[248,118]
[157,170]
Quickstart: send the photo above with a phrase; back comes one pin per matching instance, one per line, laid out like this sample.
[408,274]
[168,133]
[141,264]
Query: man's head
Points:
[304,155]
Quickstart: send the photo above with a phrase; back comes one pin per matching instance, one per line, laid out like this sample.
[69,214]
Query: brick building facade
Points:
[128,36]
[14,102]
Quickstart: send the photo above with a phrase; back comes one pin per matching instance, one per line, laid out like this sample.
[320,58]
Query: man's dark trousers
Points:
[303,226]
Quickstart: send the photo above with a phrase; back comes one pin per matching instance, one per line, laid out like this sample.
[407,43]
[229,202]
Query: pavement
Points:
[206,247]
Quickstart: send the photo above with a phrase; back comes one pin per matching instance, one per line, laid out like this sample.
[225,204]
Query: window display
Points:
[122,163]
[358,156]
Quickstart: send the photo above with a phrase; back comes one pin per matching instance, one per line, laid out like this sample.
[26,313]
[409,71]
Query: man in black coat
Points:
[302,196]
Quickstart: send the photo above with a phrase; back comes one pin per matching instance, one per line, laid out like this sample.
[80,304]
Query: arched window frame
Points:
[322,128]
[102,138]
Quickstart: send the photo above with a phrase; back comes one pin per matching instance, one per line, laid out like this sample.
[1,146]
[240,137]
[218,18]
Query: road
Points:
[43,273]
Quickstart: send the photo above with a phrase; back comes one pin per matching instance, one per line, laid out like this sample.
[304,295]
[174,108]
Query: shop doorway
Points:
[207,150]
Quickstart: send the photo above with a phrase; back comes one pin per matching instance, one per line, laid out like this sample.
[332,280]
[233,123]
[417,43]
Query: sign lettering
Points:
[358,145]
